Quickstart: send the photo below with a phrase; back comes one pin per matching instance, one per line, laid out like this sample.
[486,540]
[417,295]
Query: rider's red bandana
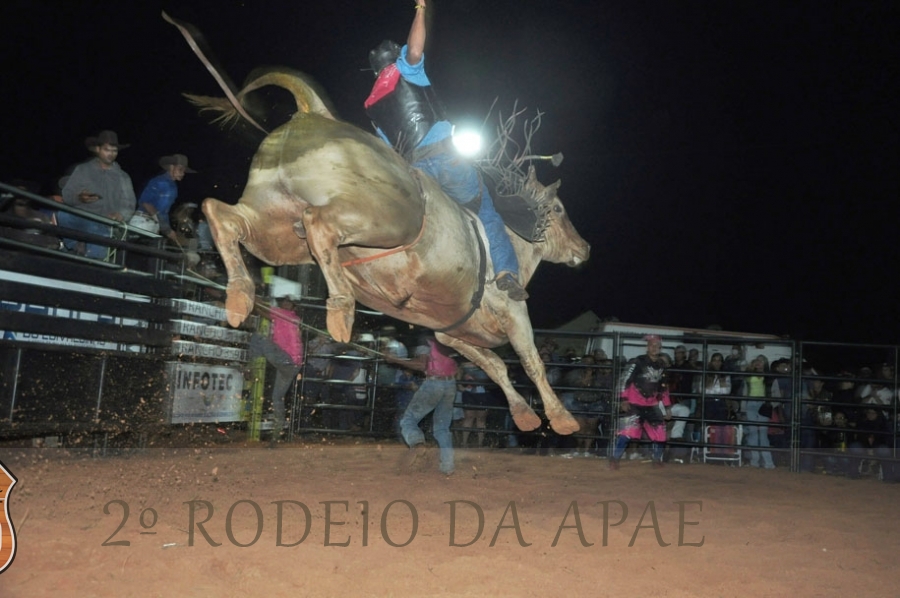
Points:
[385,83]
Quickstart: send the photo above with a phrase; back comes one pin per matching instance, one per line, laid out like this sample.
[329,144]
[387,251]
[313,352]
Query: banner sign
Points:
[189,349]
[75,287]
[201,393]
[208,331]
[199,310]
[58,312]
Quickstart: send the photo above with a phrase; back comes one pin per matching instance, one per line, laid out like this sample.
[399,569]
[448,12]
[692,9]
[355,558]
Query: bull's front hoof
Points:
[341,313]
[238,304]
[563,423]
[526,419]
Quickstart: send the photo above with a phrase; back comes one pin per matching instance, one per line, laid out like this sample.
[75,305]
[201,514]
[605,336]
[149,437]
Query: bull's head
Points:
[560,242]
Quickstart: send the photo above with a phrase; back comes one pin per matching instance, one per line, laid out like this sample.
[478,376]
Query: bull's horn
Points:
[556,159]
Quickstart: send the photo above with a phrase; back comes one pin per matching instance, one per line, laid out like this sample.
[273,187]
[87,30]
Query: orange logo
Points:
[7,533]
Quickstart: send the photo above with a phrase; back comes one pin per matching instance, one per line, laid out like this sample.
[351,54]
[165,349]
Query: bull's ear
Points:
[554,188]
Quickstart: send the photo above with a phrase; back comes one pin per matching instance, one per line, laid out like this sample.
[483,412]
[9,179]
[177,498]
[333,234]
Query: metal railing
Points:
[796,452]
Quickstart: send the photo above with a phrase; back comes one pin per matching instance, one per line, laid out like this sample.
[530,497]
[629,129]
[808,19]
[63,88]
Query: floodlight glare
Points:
[467,143]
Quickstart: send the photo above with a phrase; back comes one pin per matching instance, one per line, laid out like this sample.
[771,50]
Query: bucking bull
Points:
[384,234]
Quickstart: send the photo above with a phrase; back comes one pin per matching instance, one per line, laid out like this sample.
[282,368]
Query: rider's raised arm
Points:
[415,44]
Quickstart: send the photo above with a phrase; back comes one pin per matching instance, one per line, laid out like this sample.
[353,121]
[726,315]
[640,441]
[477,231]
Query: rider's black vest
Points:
[406,114]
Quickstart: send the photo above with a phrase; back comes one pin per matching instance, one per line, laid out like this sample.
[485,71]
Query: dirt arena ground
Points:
[691,530]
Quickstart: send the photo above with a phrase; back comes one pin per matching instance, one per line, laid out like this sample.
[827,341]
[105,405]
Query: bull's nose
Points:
[580,254]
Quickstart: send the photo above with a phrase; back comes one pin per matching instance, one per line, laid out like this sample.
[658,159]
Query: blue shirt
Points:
[161,192]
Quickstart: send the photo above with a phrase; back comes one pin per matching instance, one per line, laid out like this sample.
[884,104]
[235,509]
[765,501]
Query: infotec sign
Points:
[204,393]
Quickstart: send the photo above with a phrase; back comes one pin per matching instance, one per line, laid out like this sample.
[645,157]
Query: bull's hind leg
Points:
[228,229]
[323,241]
[522,413]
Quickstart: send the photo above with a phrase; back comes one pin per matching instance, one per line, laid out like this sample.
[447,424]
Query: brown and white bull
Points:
[384,234]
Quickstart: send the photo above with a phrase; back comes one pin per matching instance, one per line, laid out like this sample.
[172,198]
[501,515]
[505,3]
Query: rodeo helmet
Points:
[385,53]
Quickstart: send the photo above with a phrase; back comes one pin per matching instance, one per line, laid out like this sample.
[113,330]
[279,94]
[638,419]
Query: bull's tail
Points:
[227,113]
[231,107]
[188,31]
[295,82]
[298,84]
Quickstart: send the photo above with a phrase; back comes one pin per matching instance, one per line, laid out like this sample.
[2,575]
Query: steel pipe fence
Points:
[378,411]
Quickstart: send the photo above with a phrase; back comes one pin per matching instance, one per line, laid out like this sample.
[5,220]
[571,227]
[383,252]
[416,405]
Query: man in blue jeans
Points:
[284,350]
[101,187]
[407,115]
[437,393]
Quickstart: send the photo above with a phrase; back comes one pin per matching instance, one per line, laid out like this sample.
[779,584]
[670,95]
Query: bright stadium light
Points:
[467,142]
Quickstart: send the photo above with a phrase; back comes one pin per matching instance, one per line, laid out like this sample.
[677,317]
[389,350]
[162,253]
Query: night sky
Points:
[731,163]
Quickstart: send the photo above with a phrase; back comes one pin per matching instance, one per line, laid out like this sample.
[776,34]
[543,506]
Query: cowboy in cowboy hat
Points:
[99,186]
[158,196]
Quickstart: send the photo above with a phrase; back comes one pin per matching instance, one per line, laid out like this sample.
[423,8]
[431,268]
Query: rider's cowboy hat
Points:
[104,137]
[175,160]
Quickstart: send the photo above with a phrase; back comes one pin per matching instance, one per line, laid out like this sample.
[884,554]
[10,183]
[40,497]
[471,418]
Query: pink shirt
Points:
[439,364]
[286,333]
